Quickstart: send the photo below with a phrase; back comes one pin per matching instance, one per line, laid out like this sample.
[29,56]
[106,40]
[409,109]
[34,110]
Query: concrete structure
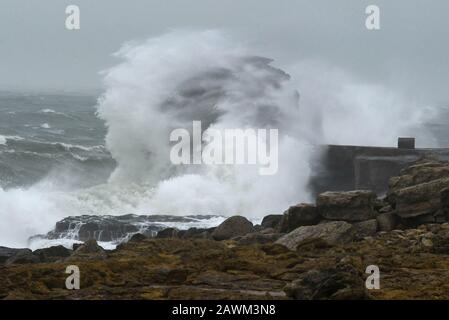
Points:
[406,143]
[345,168]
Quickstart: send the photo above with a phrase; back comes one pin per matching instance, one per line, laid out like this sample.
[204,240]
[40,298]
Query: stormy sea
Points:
[103,158]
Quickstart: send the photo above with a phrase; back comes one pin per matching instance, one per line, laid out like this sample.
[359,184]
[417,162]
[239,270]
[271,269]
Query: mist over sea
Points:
[67,155]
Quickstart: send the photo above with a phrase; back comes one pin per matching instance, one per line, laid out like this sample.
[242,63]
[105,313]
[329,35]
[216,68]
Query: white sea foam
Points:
[47,111]
[4,139]
[51,111]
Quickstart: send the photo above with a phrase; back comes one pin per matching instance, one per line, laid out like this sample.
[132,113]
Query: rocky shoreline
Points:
[311,251]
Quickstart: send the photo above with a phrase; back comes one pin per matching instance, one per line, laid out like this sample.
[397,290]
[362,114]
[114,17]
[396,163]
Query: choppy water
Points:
[49,134]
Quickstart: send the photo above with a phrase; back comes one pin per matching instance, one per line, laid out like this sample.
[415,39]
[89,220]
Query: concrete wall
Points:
[344,168]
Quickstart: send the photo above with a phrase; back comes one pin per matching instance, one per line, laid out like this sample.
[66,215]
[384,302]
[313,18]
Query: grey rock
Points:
[271,221]
[138,237]
[52,254]
[300,215]
[336,232]
[233,227]
[114,228]
[12,255]
[168,233]
[347,206]
[419,200]
[197,233]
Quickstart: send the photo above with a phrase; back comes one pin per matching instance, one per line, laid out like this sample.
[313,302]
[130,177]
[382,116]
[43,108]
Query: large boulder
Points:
[167,233]
[138,237]
[115,228]
[233,227]
[332,233]
[271,221]
[297,216]
[419,200]
[421,172]
[347,206]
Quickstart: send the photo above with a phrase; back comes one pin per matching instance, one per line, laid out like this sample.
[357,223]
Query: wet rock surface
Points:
[413,265]
[233,227]
[113,228]
[347,206]
[297,216]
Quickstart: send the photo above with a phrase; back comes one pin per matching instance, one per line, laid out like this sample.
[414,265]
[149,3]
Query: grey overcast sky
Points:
[411,51]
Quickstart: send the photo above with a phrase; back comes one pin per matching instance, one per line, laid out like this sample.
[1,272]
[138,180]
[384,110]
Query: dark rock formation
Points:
[300,215]
[343,282]
[137,237]
[115,228]
[419,194]
[168,233]
[17,256]
[233,227]
[7,253]
[52,253]
[419,200]
[271,221]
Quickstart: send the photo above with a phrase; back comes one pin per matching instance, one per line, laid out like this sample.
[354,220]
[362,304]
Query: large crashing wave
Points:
[166,83]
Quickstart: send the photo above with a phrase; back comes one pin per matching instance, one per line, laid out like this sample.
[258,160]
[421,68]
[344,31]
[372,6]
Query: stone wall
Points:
[344,168]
